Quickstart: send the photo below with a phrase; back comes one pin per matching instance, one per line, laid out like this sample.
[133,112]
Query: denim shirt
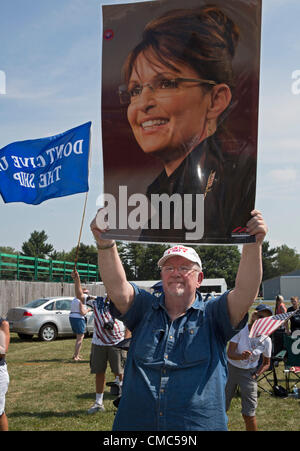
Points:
[176,371]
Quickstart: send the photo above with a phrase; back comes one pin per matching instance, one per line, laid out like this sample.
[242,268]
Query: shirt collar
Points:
[198,303]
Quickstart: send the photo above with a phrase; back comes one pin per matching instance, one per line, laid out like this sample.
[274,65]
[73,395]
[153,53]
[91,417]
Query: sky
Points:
[51,59]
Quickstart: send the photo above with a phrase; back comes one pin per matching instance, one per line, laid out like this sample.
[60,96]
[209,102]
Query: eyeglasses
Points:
[181,269]
[160,86]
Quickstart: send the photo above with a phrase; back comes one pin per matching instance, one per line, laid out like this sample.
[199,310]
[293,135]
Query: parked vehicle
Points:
[46,317]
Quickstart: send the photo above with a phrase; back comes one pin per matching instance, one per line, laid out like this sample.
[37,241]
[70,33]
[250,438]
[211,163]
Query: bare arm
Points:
[78,290]
[234,355]
[112,273]
[4,337]
[127,333]
[249,274]
[79,293]
[264,366]
[83,309]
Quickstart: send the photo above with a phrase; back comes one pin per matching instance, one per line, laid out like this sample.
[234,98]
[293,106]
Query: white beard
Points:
[179,291]
[176,291]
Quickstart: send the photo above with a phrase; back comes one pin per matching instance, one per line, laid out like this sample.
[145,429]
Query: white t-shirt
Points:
[258,346]
[75,310]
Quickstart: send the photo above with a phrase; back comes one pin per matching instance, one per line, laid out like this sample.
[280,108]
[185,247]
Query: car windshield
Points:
[36,303]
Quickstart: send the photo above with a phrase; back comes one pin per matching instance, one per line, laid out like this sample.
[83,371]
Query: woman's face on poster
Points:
[166,121]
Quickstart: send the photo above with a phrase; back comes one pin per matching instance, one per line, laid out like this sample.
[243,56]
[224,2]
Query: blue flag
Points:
[36,170]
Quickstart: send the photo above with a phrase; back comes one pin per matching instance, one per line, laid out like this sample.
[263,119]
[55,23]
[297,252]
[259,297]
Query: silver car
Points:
[46,317]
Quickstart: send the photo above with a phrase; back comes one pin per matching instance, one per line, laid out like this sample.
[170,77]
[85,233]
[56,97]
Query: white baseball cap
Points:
[187,252]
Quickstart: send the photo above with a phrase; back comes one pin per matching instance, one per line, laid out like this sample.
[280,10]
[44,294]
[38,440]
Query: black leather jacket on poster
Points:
[228,202]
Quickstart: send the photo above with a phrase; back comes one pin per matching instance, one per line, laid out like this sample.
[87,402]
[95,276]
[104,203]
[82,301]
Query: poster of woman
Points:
[179,119]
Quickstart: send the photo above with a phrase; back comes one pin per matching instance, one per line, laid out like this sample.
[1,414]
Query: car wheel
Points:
[25,336]
[48,332]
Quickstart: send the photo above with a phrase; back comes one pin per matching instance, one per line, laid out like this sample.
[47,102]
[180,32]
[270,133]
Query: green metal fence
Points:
[20,267]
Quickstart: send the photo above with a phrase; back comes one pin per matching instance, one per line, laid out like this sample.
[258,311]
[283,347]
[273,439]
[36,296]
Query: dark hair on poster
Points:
[180,93]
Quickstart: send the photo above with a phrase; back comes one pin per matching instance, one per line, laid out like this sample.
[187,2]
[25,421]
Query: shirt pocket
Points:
[148,348]
[196,347]
[149,341]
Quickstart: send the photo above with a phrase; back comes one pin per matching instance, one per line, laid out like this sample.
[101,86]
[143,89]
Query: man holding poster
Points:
[176,367]
[192,109]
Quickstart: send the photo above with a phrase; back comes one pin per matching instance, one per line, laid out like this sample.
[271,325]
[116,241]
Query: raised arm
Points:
[78,290]
[249,274]
[79,293]
[112,273]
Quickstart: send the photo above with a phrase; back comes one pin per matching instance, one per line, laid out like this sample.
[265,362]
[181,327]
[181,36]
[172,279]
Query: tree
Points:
[149,269]
[140,261]
[268,261]
[60,255]
[287,259]
[9,271]
[123,253]
[8,250]
[135,257]
[36,246]
[278,261]
[86,254]
[220,262]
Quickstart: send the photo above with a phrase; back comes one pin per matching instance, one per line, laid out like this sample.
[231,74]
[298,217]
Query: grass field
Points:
[50,392]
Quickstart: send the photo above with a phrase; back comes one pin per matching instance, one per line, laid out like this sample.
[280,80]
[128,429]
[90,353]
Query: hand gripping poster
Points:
[180,119]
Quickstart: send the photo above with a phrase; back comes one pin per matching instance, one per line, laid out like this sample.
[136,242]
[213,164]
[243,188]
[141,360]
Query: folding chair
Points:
[292,359]
[270,375]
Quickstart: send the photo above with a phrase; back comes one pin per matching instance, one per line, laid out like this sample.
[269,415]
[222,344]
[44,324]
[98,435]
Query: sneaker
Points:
[116,382]
[112,384]
[96,408]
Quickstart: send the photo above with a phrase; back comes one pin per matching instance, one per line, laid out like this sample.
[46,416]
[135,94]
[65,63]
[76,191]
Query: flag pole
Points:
[82,220]
[84,208]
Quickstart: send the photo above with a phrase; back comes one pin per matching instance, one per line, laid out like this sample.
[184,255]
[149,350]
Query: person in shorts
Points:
[4,377]
[107,333]
[104,353]
[77,316]
[243,366]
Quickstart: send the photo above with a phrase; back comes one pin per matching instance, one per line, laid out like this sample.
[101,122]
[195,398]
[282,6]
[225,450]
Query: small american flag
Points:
[266,326]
